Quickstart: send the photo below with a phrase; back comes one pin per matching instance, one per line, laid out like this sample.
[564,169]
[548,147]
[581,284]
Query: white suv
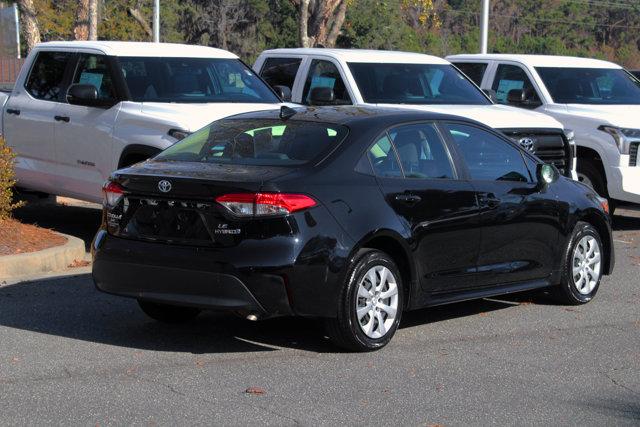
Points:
[407,80]
[598,100]
[80,110]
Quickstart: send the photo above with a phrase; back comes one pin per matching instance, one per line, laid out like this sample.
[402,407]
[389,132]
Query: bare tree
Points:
[29,23]
[93,19]
[81,26]
[320,21]
[139,17]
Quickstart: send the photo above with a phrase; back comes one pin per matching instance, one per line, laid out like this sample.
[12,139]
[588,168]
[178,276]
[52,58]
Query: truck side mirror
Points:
[515,96]
[491,94]
[283,92]
[85,94]
[322,96]
[523,98]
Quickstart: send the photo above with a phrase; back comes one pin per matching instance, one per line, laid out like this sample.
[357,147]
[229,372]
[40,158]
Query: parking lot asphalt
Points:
[71,355]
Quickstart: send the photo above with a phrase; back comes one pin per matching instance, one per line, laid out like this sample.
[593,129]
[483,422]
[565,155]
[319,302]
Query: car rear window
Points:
[257,142]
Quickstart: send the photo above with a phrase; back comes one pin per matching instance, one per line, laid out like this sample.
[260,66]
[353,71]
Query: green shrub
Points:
[7,181]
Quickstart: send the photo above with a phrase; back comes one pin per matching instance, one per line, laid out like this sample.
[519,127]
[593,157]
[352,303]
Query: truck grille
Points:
[550,147]
[633,154]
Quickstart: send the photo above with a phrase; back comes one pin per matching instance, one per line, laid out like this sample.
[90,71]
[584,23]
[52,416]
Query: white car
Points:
[80,110]
[407,80]
[598,100]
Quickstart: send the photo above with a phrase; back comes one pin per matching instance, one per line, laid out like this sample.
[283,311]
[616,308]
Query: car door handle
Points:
[409,199]
[13,111]
[488,200]
[61,119]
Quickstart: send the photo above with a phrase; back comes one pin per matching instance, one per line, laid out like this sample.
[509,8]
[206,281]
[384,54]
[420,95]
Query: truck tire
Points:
[591,175]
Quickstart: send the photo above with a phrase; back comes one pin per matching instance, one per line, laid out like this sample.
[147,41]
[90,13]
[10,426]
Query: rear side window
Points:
[326,74]
[47,75]
[511,77]
[488,157]
[383,158]
[473,70]
[94,70]
[280,71]
[421,151]
[261,142]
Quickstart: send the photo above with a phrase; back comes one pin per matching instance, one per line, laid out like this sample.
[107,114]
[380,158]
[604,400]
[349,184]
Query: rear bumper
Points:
[185,276]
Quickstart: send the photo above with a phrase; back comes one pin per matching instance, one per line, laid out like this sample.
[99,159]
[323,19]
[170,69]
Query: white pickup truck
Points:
[318,76]
[598,100]
[80,110]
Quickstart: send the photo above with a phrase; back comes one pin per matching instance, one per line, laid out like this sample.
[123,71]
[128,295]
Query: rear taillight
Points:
[112,193]
[265,204]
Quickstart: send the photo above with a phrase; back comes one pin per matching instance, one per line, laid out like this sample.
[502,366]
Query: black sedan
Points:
[348,214]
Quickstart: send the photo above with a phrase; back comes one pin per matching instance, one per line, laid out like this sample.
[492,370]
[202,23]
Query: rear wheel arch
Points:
[395,247]
[136,153]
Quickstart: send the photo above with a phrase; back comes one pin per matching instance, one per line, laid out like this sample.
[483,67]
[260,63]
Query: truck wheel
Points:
[590,174]
[168,313]
[370,304]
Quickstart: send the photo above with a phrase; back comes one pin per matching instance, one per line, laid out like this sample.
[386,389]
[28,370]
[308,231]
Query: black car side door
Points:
[420,183]
[520,222]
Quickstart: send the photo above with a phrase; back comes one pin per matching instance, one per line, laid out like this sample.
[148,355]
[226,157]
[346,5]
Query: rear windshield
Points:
[257,142]
[193,80]
[415,84]
[604,86]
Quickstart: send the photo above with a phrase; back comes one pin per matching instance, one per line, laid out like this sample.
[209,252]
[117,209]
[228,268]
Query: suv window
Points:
[325,74]
[488,157]
[280,71]
[94,70]
[421,151]
[47,75]
[510,77]
[473,70]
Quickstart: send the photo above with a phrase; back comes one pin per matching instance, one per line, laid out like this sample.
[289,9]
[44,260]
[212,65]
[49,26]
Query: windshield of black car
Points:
[261,142]
[384,83]
[193,80]
[607,86]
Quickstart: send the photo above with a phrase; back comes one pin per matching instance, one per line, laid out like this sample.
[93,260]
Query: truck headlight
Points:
[621,136]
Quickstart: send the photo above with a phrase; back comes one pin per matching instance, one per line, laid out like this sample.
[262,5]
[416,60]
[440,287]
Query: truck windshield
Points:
[261,142]
[590,85]
[193,80]
[415,84]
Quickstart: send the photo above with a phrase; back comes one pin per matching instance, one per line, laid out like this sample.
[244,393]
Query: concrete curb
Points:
[47,260]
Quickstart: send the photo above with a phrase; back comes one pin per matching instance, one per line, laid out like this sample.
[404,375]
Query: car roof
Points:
[363,55]
[352,115]
[539,60]
[117,48]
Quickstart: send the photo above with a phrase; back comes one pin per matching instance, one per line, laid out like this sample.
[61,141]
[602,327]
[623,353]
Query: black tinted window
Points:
[94,70]
[473,70]
[47,74]
[325,74]
[257,142]
[383,158]
[280,71]
[590,85]
[488,157]
[511,77]
[421,152]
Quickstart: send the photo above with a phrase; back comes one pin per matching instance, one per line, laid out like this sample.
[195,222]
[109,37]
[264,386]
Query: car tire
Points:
[168,313]
[583,266]
[590,174]
[368,313]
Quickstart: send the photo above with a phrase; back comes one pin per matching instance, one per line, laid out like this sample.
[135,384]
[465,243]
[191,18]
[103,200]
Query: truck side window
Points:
[473,70]
[94,70]
[325,74]
[47,75]
[509,77]
[280,71]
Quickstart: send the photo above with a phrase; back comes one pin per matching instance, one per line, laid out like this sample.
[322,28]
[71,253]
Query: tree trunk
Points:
[93,19]
[137,15]
[81,26]
[302,24]
[336,25]
[29,23]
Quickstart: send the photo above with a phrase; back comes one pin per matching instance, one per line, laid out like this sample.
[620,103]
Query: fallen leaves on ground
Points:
[258,391]
[17,238]
[78,263]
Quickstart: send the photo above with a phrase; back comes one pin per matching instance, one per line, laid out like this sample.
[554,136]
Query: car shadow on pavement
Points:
[626,223]
[71,307]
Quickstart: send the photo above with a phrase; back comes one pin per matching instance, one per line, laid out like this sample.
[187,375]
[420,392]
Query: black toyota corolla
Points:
[349,214]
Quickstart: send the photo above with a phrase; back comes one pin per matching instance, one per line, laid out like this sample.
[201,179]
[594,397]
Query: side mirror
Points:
[523,98]
[284,92]
[322,96]
[546,174]
[85,94]
[515,96]
[491,94]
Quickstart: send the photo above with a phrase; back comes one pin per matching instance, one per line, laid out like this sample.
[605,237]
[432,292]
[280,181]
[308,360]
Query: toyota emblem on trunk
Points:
[528,144]
[164,186]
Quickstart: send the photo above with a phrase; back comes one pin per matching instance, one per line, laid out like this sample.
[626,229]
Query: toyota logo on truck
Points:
[528,144]
[164,186]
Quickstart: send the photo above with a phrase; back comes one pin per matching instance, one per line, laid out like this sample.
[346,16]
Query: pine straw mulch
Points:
[18,238]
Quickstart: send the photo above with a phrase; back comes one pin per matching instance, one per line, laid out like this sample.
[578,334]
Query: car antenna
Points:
[287,112]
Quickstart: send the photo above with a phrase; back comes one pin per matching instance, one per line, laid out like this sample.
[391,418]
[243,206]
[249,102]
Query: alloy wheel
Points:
[586,265]
[377,302]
